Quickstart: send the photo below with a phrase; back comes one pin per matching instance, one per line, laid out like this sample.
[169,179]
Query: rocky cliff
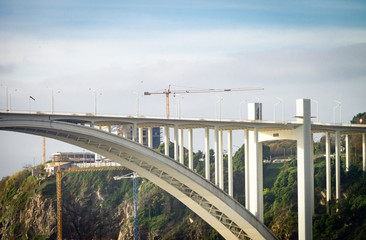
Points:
[94,207]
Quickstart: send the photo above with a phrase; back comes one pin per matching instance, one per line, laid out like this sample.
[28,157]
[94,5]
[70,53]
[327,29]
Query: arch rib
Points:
[212,204]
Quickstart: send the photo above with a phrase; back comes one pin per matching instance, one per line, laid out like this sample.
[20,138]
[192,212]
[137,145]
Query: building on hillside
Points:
[53,167]
[74,157]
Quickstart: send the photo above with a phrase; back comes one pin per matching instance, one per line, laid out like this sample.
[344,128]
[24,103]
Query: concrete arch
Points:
[212,204]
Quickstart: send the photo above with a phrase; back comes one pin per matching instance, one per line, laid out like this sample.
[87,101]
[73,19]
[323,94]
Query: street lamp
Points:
[274,110]
[137,103]
[52,100]
[7,96]
[10,97]
[179,106]
[95,99]
[340,110]
[283,108]
[219,108]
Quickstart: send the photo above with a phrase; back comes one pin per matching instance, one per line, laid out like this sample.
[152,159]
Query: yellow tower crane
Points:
[168,91]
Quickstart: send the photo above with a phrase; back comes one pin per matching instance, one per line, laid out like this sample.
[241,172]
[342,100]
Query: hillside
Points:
[94,207]
[97,207]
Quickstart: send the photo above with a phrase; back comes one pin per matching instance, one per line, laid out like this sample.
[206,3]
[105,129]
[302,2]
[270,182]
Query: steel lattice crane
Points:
[134,176]
[168,91]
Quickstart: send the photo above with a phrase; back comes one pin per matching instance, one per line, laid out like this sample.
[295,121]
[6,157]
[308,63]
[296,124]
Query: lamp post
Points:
[340,110]
[10,98]
[137,104]
[95,99]
[240,109]
[219,106]
[179,106]
[7,96]
[52,100]
[283,108]
[274,110]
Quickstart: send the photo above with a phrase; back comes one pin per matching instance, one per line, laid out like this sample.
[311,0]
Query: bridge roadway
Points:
[208,200]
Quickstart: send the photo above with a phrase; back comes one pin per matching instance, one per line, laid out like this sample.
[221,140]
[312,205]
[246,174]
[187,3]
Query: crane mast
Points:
[168,91]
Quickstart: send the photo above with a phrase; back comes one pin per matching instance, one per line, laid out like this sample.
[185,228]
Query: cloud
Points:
[7,68]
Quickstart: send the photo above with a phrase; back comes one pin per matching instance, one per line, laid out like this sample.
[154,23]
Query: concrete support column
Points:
[364,151]
[124,131]
[166,140]
[134,132]
[304,190]
[255,175]
[176,143]
[347,152]
[109,128]
[181,147]
[338,164]
[246,165]
[221,161]
[207,153]
[190,148]
[216,138]
[328,167]
[149,137]
[141,135]
[230,162]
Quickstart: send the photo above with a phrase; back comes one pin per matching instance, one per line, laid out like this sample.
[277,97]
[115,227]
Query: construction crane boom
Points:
[168,91]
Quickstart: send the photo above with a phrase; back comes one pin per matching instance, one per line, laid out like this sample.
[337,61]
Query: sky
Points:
[292,49]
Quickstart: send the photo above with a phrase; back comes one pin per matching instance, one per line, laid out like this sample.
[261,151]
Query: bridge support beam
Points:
[347,152]
[134,132]
[255,175]
[207,153]
[216,138]
[303,112]
[176,142]
[328,167]
[246,167]
[338,165]
[166,140]
[364,151]
[230,162]
[124,131]
[190,148]
[221,161]
[141,135]
[181,147]
[149,137]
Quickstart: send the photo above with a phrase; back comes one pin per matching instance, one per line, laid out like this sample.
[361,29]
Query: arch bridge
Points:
[207,199]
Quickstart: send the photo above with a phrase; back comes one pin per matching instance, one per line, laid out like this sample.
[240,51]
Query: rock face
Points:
[94,206]
[37,218]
